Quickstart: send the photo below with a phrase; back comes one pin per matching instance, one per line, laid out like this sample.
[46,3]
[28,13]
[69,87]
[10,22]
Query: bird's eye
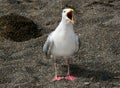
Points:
[64,11]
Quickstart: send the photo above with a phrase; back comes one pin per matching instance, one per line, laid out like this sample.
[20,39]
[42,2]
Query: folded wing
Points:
[78,43]
[48,45]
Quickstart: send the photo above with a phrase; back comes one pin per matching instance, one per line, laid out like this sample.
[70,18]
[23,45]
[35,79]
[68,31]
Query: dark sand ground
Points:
[97,65]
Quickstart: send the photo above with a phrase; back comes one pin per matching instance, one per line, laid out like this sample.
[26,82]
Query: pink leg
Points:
[56,78]
[68,76]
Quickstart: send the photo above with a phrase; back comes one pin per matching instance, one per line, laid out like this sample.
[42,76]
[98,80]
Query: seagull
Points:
[63,42]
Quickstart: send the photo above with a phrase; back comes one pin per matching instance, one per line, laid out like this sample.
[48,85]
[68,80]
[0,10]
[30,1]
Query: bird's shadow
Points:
[94,75]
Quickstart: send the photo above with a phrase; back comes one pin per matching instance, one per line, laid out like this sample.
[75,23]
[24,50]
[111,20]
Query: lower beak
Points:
[72,21]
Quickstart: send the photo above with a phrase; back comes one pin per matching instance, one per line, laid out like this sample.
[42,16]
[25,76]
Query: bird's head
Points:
[67,14]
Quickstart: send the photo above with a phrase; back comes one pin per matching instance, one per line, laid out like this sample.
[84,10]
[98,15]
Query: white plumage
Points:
[63,41]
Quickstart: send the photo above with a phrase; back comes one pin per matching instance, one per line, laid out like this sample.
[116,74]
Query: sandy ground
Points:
[97,65]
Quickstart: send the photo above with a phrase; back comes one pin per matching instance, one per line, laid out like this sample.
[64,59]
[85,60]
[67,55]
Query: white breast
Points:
[64,43]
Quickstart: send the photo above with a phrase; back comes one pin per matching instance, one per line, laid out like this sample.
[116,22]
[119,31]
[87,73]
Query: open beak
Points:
[70,16]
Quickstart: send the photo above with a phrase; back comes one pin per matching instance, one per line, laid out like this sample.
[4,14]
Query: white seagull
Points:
[63,42]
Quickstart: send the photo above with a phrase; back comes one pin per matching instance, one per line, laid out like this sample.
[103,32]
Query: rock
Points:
[86,83]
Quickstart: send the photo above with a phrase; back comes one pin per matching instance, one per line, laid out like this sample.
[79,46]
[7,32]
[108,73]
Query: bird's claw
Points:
[70,77]
[57,78]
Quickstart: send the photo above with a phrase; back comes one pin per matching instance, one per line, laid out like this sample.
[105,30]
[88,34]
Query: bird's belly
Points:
[64,49]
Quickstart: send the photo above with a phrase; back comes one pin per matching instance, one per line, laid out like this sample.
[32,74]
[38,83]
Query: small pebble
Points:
[87,83]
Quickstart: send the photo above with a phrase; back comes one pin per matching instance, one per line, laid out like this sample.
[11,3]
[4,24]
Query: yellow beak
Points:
[70,17]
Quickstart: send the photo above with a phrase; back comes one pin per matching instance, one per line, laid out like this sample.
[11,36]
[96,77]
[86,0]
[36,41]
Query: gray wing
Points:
[48,45]
[78,43]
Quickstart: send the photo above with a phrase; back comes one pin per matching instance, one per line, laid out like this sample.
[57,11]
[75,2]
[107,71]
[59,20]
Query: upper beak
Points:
[70,16]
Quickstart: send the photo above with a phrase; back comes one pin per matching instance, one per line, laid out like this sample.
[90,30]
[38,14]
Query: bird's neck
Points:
[65,26]
[65,22]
